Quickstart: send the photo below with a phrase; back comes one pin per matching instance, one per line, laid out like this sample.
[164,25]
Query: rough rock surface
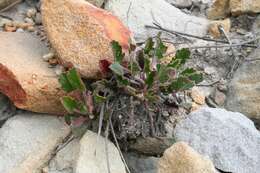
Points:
[82,33]
[97,3]
[92,156]
[180,3]
[25,78]
[138,164]
[181,158]
[219,9]
[230,139]
[136,14]
[27,141]
[244,6]
[6,3]
[64,160]
[243,93]
[214,27]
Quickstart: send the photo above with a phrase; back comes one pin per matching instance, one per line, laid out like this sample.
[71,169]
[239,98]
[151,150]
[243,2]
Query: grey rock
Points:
[230,139]
[7,109]
[244,89]
[92,155]
[151,146]
[180,3]
[64,160]
[27,141]
[141,164]
[136,14]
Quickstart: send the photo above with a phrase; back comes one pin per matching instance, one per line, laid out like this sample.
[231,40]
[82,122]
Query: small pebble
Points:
[29,20]
[48,56]
[19,30]
[31,12]
[38,19]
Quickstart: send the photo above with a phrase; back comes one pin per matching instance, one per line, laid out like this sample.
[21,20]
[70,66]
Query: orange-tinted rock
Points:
[214,27]
[81,33]
[25,78]
[239,7]
[219,9]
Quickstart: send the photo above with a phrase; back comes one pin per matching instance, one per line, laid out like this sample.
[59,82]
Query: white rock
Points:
[27,141]
[181,3]
[230,139]
[138,13]
[92,156]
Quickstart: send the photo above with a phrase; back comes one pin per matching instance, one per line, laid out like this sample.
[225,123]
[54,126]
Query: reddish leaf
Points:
[104,66]
[77,122]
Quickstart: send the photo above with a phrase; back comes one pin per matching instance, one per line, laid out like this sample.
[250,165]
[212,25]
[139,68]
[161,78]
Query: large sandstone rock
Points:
[92,156]
[6,3]
[25,78]
[28,140]
[138,13]
[230,139]
[81,33]
[181,158]
[244,6]
[243,93]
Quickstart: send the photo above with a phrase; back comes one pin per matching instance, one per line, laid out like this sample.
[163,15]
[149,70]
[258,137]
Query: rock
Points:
[151,146]
[81,34]
[181,158]
[97,3]
[230,139]
[4,21]
[181,3]
[7,3]
[64,160]
[244,6]
[28,140]
[218,97]
[92,156]
[219,9]
[141,164]
[7,110]
[256,26]
[197,96]
[146,12]
[214,27]
[243,91]
[25,77]
[38,19]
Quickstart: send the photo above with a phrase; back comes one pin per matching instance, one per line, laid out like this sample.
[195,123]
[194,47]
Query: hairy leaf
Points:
[160,49]
[183,55]
[117,51]
[150,79]
[69,103]
[75,80]
[65,84]
[181,84]
[148,45]
[117,68]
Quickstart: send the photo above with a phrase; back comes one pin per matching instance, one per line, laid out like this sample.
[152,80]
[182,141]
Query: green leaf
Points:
[196,77]
[188,71]
[69,103]
[181,84]
[183,55]
[150,79]
[175,63]
[82,108]
[160,49]
[65,84]
[99,99]
[163,74]
[117,68]
[135,68]
[75,80]
[147,64]
[122,81]
[148,45]
[117,51]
